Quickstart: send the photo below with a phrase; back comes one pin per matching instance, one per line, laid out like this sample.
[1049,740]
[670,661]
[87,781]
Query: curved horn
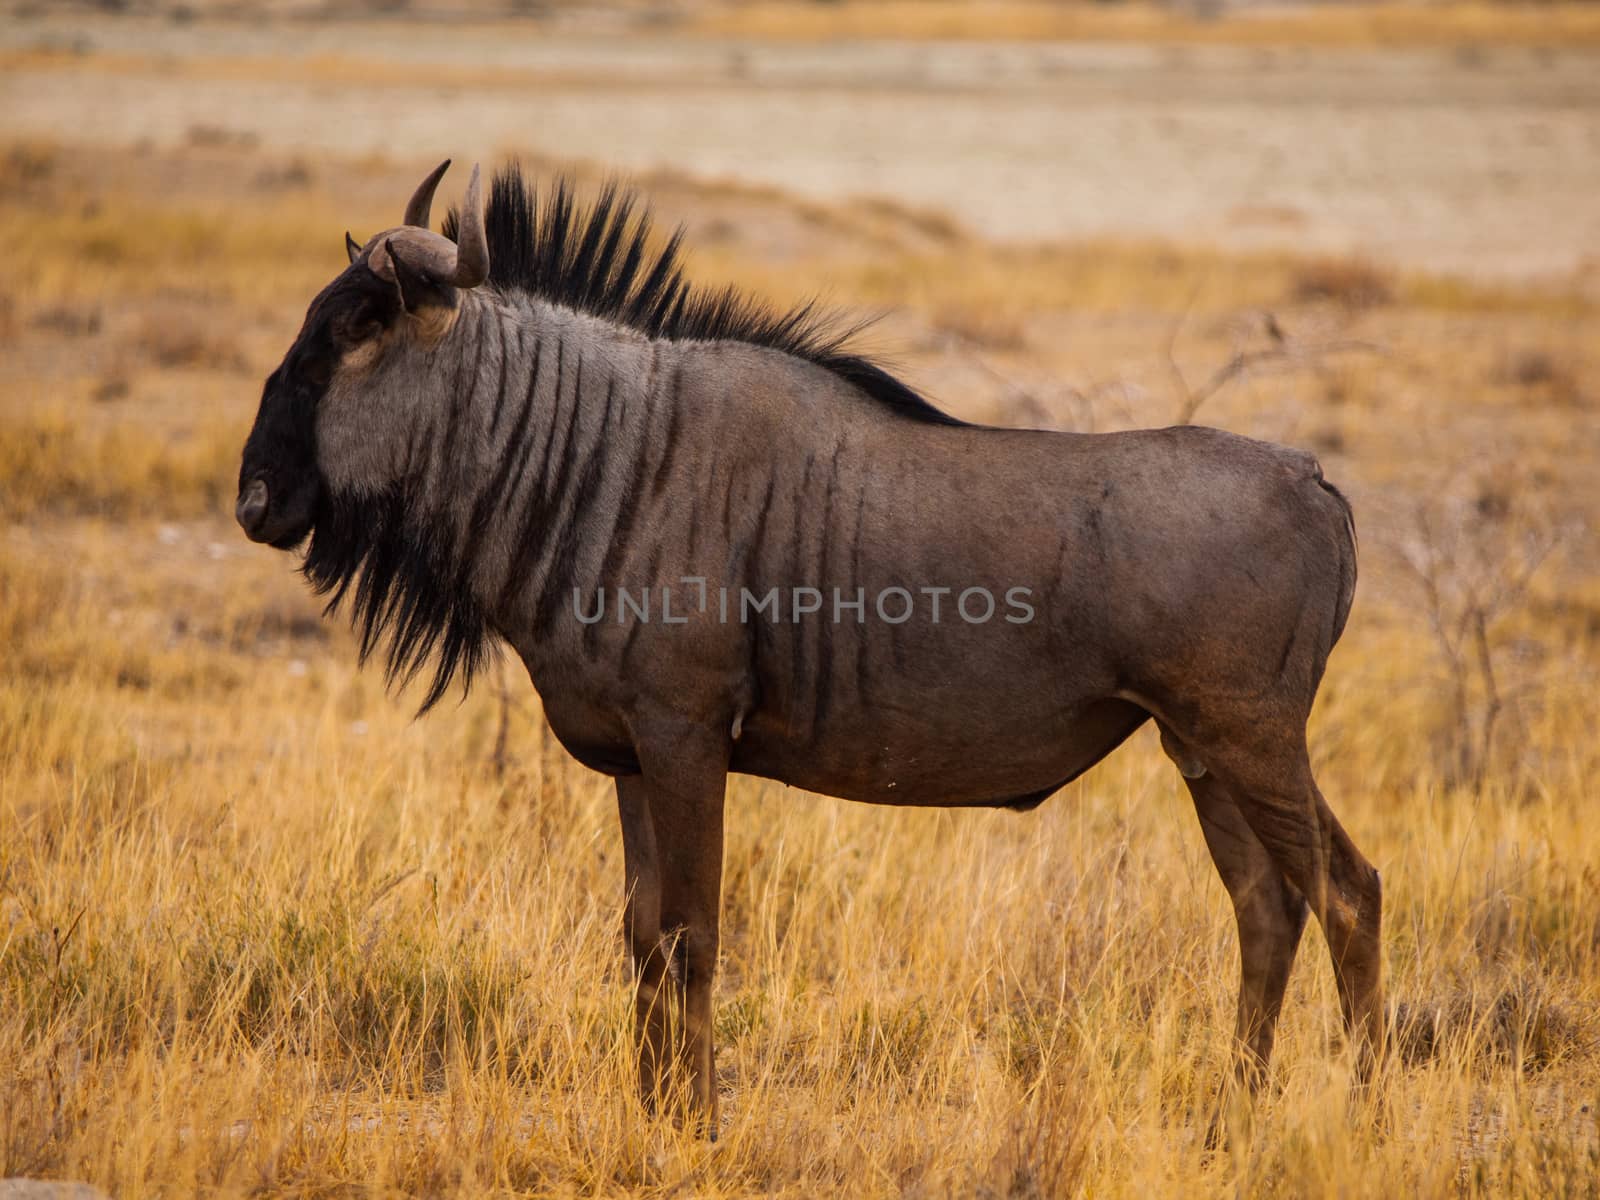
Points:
[422,199]
[472,244]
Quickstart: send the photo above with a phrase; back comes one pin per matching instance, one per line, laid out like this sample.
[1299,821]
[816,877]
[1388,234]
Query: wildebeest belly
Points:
[907,762]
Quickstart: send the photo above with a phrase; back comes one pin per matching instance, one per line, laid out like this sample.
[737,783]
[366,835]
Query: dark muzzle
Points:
[251,510]
[279,516]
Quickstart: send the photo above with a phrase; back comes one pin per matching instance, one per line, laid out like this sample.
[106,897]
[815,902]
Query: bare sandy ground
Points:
[1483,163]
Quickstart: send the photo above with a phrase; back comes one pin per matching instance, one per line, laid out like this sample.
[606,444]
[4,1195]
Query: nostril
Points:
[251,510]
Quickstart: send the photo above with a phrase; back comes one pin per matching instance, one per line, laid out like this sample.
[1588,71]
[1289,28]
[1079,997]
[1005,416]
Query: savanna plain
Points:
[261,932]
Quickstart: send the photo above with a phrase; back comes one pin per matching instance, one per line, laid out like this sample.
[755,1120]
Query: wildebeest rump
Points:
[484,434]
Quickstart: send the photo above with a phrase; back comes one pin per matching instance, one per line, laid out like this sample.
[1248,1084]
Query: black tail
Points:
[1347,560]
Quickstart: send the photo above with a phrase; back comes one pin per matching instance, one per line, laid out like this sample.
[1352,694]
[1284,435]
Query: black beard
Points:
[408,588]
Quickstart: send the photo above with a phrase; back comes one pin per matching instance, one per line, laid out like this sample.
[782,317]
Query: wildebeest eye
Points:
[360,326]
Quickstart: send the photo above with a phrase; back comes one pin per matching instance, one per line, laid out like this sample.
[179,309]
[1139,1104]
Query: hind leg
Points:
[1270,914]
[1266,768]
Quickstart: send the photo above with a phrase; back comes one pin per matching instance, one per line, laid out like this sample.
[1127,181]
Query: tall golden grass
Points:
[1356,25]
[262,932]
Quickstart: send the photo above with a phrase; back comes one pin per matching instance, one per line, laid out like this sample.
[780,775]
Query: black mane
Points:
[402,577]
[598,261]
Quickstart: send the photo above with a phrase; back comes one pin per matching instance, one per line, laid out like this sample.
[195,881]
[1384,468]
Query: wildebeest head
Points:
[400,292]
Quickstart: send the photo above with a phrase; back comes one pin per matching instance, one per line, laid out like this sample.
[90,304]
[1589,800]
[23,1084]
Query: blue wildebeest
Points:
[487,433]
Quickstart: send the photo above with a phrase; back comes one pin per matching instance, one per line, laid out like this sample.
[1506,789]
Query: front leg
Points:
[672,836]
[642,924]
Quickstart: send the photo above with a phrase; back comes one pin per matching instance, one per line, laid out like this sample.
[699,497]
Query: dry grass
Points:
[260,932]
[1351,25]
[59,464]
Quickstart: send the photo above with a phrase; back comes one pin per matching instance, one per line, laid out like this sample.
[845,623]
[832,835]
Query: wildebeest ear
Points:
[350,247]
[418,289]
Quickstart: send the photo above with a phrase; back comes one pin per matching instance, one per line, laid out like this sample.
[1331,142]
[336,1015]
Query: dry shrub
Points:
[292,175]
[1570,616]
[1474,553]
[1514,1022]
[888,1042]
[1049,1147]
[174,335]
[116,384]
[929,223]
[1327,438]
[987,327]
[1545,376]
[278,627]
[30,162]
[69,320]
[218,136]
[32,599]
[1529,367]
[1349,282]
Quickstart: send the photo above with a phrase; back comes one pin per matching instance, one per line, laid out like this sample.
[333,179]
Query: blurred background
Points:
[1370,230]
